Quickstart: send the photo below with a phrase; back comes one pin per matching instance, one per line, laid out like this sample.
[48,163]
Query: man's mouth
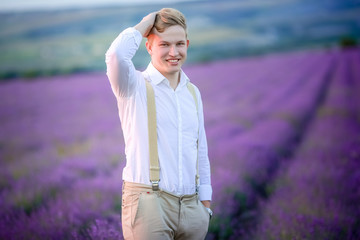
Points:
[173,60]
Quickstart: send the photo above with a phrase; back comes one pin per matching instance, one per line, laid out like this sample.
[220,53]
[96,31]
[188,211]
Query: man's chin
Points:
[173,69]
[166,69]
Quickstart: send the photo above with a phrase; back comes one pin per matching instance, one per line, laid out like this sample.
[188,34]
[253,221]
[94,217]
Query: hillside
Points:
[75,40]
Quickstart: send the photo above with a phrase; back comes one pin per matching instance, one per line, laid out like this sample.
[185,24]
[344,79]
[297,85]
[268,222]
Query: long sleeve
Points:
[120,69]
[205,191]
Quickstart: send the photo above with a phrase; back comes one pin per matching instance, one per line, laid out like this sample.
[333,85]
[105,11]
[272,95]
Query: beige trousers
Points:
[158,215]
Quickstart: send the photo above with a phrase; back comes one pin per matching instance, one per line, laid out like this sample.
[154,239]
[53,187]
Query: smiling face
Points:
[168,50]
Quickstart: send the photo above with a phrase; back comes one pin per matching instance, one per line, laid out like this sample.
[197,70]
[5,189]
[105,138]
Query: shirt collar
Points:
[156,77]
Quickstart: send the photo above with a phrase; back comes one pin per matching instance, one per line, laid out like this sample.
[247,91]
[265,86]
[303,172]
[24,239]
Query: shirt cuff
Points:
[205,192]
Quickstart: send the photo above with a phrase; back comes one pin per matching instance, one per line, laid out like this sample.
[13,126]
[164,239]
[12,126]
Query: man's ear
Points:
[187,43]
[148,46]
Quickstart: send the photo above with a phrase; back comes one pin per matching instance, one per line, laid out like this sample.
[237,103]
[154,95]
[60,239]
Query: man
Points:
[173,206]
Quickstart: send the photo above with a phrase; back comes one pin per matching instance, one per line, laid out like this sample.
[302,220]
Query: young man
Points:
[172,206]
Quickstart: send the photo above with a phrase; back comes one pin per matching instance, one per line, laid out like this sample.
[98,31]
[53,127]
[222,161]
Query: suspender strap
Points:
[191,88]
[153,148]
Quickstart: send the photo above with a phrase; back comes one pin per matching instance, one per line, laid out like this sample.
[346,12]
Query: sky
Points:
[26,5]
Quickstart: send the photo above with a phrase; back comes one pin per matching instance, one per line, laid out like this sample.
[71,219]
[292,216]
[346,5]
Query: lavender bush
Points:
[317,194]
[283,145]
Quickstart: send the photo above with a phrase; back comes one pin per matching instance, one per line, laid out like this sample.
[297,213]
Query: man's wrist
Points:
[146,24]
[206,203]
[210,212]
[140,27]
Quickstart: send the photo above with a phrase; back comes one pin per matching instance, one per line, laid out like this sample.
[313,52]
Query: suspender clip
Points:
[197,185]
[155,185]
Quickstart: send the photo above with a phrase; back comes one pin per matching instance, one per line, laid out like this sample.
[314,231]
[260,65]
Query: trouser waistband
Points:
[138,187]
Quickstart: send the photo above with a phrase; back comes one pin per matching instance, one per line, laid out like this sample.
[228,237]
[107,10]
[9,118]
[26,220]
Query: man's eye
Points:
[164,44]
[181,44]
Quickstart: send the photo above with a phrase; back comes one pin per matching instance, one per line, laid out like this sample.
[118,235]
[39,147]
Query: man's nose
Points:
[173,51]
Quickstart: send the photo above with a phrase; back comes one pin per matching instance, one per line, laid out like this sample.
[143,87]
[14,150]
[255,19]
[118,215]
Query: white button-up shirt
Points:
[177,122]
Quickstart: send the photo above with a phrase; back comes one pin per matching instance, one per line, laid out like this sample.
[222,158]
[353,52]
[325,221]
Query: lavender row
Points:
[62,151]
[62,157]
[71,157]
[317,195]
[244,159]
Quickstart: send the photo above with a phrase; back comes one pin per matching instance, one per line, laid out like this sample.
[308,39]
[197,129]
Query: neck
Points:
[174,79]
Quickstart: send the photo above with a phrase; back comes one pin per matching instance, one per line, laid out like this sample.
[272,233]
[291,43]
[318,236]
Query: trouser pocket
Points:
[205,213]
[130,207]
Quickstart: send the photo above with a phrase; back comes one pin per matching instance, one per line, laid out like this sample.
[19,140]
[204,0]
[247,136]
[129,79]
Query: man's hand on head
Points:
[146,24]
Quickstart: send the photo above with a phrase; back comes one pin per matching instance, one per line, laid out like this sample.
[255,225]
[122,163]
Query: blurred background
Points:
[57,37]
[280,84]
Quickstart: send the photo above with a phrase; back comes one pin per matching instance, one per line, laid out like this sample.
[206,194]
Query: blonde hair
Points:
[168,17]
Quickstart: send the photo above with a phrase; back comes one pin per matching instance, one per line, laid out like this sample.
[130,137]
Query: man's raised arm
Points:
[120,69]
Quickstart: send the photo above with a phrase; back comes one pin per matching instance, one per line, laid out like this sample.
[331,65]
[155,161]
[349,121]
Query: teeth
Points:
[172,61]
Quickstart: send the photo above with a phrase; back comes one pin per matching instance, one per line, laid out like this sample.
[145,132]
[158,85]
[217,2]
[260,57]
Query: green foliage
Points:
[220,227]
[6,75]
[29,204]
[348,41]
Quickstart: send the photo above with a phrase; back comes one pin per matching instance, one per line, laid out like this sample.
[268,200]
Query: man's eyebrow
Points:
[163,41]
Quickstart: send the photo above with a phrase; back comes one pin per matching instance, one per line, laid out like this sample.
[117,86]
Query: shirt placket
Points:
[180,160]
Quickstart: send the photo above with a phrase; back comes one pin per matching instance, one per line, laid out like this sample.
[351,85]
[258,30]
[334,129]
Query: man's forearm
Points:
[120,69]
[206,203]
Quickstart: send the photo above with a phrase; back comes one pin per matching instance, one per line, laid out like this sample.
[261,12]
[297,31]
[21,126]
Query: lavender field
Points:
[284,145]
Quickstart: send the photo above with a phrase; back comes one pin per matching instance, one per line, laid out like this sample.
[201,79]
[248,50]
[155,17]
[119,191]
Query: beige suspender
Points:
[197,177]
[153,150]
